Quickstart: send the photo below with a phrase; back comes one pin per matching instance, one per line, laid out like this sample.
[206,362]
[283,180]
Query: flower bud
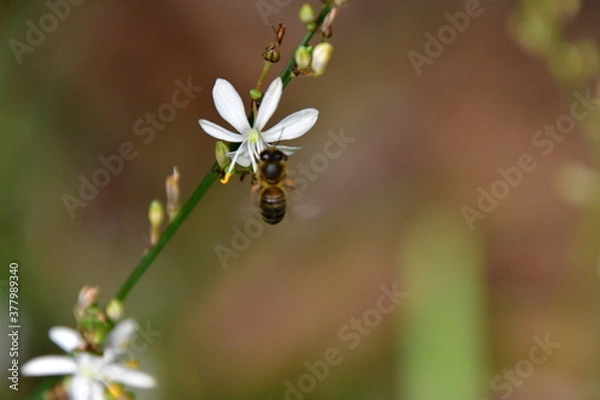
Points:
[172,187]
[255,94]
[303,57]
[306,14]
[115,310]
[221,150]
[271,53]
[87,297]
[320,57]
[156,216]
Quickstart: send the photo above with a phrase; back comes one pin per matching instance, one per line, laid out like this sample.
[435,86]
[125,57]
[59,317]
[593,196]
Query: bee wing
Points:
[302,205]
[248,207]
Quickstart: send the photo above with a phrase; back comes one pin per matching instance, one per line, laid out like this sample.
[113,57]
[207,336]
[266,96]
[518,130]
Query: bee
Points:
[271,183]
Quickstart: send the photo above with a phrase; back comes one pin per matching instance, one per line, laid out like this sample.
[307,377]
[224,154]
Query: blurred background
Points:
[496,278]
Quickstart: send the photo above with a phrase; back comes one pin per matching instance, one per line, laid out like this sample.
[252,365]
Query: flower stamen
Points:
[226,178]
[229,172]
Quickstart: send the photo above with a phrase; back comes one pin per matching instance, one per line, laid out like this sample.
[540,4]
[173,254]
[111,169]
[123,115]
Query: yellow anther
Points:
[225,179]
[134,364]
[116,391]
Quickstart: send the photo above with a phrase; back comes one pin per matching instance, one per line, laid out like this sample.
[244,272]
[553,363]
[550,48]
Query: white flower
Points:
[253,140]
[91,374]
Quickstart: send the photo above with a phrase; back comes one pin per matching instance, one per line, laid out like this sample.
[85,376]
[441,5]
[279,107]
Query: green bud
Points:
[255,94]
[272,54]
[320,57]
[221,150]
[303,57]
[306,14]
[156,214]
[114,310]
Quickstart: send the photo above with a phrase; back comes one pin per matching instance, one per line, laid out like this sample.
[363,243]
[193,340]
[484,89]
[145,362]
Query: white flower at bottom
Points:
[91,374]
[253,140]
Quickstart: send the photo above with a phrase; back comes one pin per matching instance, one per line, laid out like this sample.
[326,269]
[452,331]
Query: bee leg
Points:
[254,180]
[243,175]
[255,184]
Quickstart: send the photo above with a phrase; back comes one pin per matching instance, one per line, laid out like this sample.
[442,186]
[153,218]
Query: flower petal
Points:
[66,338]
[218,132]
[243,158]
[129,377]
[292,126]
[269,104]
[83,388]
[229,105]
[121,335]
[49,365]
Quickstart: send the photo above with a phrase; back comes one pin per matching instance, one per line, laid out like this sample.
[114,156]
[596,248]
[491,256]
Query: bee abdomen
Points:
[272,205]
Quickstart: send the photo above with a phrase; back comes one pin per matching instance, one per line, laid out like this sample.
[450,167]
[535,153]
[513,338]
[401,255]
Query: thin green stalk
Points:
[170,230]
[266,67]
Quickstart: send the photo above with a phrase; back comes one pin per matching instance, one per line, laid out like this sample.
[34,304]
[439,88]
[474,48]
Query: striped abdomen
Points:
[272,205]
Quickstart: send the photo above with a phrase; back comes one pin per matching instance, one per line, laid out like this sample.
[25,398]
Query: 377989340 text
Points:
[13,325]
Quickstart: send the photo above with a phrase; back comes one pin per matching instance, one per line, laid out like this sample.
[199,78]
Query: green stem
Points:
[286,75]
[170,230]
